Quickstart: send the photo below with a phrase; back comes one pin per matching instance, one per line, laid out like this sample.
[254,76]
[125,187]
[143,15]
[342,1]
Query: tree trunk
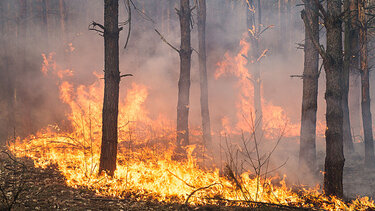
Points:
[333,65]
[365,79]
[62,19]
[354,74]
[257,79]
[111,90]
[254,54]
[288,36]
[283,26]
[22,26]
[203,73]
[11,38]
[307,153]
[45,24]
[349,52]
[184,81]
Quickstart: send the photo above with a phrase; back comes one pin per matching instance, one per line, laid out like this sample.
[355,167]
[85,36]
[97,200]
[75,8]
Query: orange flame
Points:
[145,168]
[274,117]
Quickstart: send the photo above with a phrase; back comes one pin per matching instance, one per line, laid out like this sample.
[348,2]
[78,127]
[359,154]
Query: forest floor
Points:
[45,189]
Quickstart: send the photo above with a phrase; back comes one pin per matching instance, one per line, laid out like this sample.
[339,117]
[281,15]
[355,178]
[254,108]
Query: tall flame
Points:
[274,117]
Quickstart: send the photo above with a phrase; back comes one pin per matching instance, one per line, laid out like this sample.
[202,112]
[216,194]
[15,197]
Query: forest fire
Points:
[146,168]
[123,103]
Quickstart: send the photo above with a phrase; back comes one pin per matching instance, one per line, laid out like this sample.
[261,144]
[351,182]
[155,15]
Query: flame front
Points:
[145,168]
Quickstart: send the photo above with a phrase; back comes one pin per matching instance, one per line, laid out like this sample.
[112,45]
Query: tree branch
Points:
[164,40]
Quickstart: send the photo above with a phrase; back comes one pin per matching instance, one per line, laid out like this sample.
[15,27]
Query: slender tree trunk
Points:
[22,26]
[365,78]
[184,81]
[7,34]
[354,96]
[307,153]
[257,78]
[288,36]
[62,19]
[254,54]
[11,65]
[45,23]
[283,25]
[347,134]
[333,65]
[111,90]
[203,72]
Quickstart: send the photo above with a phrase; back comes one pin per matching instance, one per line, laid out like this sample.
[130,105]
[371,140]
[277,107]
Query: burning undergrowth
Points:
[146,168]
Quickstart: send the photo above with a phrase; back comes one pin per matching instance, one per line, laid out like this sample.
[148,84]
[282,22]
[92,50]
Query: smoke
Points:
[35,101]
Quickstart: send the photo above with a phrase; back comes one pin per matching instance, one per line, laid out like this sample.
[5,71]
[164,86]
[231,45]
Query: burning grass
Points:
[145,168]
[144,173]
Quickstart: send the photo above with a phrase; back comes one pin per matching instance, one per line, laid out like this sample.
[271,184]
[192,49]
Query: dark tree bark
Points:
[184,82]
[333,65]
[349,53]
[108,153]
[307,153]
[365,79]
[206,126]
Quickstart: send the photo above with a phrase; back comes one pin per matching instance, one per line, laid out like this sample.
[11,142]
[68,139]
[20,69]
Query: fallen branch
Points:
[181,179]
[199,189]
[284,207]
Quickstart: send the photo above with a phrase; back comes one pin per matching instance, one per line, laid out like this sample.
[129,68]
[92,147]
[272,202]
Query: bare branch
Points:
[164,40]
[202,188]
[126,75]
[127,3]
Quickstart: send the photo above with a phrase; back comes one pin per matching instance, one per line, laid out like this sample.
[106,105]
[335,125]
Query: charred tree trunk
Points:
[184,82]
[333,65]
[307,153]
[365,79]
[206,126]
[108,153]
[349,36]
